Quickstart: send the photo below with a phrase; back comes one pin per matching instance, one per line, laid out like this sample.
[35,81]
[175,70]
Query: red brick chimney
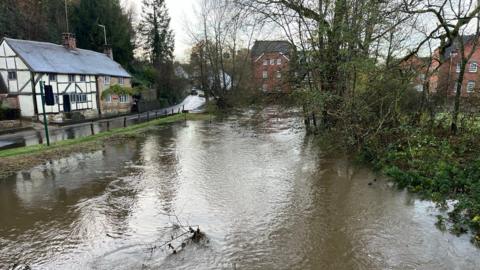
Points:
[107,49]
[69,41]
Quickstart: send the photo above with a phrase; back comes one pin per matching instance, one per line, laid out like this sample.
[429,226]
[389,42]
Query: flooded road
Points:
[263,192]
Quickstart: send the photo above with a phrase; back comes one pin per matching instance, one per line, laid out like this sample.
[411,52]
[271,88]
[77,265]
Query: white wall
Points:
[10,61]
[23,85]
[62,87]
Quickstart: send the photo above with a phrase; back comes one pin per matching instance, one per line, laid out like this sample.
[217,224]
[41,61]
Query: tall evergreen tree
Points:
[158,39]
[32,19]
[86,17]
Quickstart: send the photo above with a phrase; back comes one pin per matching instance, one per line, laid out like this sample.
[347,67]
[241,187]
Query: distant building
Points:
[181,73]
[225,80]
[77,77]
[445,79]
[271,62]
[418,66]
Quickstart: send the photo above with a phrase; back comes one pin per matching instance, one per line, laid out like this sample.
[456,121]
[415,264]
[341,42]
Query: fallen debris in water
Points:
[180,241]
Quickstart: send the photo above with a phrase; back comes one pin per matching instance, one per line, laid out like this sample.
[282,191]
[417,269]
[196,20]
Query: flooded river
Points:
[263,192]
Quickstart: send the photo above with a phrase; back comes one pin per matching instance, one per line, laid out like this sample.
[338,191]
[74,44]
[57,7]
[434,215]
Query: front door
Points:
[66,104]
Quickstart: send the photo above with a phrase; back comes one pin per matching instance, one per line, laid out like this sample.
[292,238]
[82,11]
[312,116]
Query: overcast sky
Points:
[181,12]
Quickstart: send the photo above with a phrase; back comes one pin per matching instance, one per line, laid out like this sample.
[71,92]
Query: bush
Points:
[436,167]
[9,114]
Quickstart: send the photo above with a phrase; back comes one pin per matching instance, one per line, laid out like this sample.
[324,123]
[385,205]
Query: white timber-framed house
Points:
[77,77]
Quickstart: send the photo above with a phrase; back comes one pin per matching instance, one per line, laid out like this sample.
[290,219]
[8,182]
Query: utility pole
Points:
[45,123]
[66,16]
[104,32]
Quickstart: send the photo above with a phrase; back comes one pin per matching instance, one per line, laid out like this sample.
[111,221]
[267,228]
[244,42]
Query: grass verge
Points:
[13,160]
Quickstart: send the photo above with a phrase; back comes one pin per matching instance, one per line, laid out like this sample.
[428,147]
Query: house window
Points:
[108,99]
[12,75]
[265,62]
[83,78]
[265,87]
[71,78]
[106,80]
[279,75]
[279,61]
[80,98]
[265,74]
[473,67]
[73,98]
[57,99]
[123,99]
[52,77]
[121,80]
[272,62]
[470,86]
[458,68]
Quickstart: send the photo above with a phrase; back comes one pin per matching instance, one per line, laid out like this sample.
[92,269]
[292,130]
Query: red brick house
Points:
[444,80]
[271,61]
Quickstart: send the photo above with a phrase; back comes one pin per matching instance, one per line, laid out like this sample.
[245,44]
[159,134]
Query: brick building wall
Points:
[114,104]
[444,81]
[271,71]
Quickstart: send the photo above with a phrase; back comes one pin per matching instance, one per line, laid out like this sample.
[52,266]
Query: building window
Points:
[71,78]
[279,75]
[265,62]
[265,74]
[470,86]
[265,87]
[52,77]
[12,75]
[83,78]
[123,99]
[57,99]
[272,62]
[108,99]
[78,98]
[473,67]
[73,98]
[279,61]
[106,80]
[458,68]
[121,80]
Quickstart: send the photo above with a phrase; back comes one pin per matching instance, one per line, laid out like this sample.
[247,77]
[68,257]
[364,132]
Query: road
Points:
[37,136]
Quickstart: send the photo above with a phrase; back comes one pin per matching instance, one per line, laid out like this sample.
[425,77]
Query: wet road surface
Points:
[34,137]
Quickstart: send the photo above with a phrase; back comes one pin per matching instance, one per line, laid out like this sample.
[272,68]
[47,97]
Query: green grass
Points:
[130,130]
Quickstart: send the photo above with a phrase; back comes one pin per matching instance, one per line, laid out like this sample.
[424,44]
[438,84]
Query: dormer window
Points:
[473,67]
[272,62]
[279,61]
[265,62]
[12,75]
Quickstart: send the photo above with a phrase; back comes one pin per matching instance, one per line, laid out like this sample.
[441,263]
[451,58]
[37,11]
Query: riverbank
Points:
[438,167]
[13,160]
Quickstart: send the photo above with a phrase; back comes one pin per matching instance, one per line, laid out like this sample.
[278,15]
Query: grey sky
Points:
[181,11]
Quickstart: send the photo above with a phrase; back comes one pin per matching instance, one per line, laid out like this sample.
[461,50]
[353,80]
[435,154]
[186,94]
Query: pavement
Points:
[58,133]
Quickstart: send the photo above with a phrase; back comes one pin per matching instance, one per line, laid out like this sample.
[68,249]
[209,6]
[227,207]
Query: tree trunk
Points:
[458,94]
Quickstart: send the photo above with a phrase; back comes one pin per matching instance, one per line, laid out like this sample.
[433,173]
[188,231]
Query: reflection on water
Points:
[264,193]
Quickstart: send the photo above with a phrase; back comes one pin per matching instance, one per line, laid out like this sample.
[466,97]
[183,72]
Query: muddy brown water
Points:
[263,192]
